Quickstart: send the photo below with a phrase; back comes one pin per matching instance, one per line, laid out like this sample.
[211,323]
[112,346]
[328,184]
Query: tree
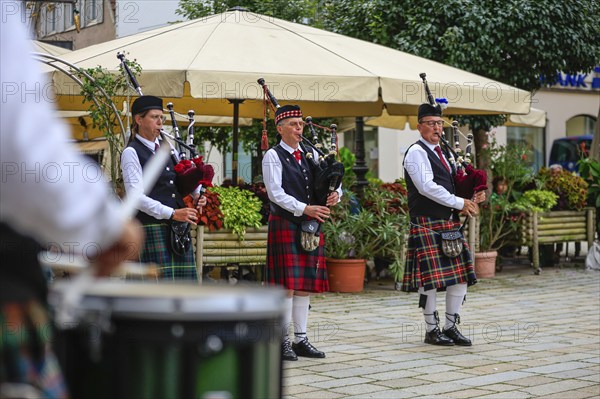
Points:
[299,11]
[524,43]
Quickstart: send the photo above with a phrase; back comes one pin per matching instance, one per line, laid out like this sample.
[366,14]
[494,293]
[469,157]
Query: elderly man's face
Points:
[431,128]
[291,131]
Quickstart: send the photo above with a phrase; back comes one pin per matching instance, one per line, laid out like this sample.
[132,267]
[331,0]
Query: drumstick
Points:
[65,312]
[76,264]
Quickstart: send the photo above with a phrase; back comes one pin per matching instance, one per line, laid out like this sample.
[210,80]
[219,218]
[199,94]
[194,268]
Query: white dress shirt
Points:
[48,191]
[272,177]
[418,167]
[132,179]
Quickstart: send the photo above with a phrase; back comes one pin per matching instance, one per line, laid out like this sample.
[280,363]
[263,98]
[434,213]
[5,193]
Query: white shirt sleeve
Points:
[48,191]
[419,169]
[272,177]
[133,181]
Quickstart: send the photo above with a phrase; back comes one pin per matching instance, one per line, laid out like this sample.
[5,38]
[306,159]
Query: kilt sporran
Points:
[179,237]
[452,243]
[309,235]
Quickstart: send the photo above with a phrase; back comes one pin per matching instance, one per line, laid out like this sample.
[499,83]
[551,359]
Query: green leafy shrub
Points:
[537,200]
[240,208]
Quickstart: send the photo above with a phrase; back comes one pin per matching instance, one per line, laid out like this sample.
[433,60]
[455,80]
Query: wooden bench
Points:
[557,227]
[223,248]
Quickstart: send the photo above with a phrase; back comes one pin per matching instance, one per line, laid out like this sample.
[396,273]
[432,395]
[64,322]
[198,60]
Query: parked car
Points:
[567,151]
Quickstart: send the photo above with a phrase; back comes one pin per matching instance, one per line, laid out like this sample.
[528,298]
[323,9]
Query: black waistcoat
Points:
[296,180]
[164,191]
[420,205]
[21,276]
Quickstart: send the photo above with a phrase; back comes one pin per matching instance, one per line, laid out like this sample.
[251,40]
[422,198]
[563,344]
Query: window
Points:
[581,125]
[92,11]
[532,138]
[50,18]
[69,20]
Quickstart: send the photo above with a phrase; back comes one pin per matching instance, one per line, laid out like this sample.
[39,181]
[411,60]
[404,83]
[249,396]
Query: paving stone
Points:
[340,382]
[508,395]
[359,389]
[555,387]
[535,336]
[445,376]
[495,378]
[554,368]
[468,393]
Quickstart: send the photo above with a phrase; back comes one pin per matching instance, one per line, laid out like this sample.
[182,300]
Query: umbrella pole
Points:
[234,143]
[360,166]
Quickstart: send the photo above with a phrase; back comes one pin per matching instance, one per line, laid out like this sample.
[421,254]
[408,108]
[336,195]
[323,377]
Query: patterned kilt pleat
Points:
[288,265]
[25,354]
[156,250]
[427,266]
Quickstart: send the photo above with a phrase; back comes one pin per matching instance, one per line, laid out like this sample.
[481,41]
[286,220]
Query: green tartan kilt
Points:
[26,356]
[156,250]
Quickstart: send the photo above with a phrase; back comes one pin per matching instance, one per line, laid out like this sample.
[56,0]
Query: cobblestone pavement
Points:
[534,336]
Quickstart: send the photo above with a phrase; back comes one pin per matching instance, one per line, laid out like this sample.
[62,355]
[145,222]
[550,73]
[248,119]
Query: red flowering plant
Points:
[572,190]
[211,215]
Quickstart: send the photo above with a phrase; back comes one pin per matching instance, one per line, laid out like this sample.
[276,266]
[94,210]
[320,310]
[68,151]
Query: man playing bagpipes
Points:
[163,207]
[438,257]
[290,181]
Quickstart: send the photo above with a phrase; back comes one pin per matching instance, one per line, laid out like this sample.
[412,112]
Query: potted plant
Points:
[389,203]
[354,234]
[345,249]
[498,217]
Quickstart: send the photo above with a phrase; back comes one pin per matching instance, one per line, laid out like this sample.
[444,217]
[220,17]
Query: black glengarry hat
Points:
[287,111]
[146,103]
[429,110]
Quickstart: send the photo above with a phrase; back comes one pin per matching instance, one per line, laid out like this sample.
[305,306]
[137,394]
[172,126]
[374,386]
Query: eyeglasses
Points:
[295,124]
[157,117]
[433,123]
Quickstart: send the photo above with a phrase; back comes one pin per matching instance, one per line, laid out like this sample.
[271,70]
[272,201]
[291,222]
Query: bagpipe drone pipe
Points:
[192,172]
[467,179]
[327,171]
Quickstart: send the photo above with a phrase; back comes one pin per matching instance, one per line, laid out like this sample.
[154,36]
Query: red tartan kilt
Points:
[426,265]
[288,265]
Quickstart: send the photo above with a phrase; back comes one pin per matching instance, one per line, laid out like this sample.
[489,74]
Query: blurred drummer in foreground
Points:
[49,195]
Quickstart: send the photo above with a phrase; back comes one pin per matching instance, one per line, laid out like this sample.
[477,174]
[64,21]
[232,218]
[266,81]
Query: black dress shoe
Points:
[305,348]
[287,353]
[457,337]
[437,337]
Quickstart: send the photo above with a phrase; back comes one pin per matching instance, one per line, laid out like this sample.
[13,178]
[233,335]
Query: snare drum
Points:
[136,340]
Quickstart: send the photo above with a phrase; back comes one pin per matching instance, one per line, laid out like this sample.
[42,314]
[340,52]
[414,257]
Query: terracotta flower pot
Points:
[346,275]
[485,264]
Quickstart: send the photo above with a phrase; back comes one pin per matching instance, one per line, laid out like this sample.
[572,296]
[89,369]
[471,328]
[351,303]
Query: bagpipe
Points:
[327,170]
[191,171]
[467,179]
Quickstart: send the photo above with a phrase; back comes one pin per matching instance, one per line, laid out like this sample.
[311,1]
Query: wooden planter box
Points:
[555,227]
[223,248]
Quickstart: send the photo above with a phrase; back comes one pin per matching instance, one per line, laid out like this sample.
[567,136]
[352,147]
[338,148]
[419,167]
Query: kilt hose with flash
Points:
[25,348]
[288,265]
[426,265]
[156,250]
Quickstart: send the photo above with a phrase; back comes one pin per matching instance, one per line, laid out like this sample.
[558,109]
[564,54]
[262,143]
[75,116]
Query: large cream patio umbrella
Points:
[535,118]
[203,63]
[210,63]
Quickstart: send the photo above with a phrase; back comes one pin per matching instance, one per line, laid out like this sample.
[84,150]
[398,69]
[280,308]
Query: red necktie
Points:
[297,155]
[439,152]
[156,147]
